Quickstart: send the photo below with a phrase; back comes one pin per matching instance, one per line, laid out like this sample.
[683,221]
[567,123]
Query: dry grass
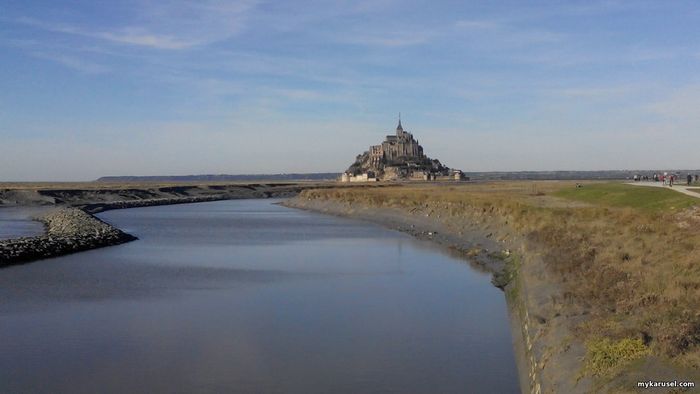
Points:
[626,255]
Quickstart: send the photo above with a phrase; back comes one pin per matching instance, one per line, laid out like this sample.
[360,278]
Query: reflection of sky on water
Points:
[274,300]
[17,222]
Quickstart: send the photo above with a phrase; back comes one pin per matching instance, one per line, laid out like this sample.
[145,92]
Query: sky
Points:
[157,87]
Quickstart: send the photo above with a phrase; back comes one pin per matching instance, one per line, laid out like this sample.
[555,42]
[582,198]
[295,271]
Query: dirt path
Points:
[677,187]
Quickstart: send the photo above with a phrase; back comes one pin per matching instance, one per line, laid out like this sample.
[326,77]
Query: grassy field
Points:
[619,195]
[627,256]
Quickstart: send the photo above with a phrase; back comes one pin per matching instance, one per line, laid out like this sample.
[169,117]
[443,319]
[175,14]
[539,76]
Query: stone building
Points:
[400,147]
[399,156]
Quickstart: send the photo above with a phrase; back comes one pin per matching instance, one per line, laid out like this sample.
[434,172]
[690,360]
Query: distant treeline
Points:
[316,176]
[321,176]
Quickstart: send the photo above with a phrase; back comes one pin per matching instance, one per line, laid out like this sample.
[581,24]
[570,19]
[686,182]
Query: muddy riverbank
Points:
[549,357]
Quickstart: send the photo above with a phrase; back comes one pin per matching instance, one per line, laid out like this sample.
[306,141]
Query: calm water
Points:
[246,296]
[16,222]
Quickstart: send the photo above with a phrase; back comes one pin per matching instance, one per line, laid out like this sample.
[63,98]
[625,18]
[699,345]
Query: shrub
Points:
[603,355]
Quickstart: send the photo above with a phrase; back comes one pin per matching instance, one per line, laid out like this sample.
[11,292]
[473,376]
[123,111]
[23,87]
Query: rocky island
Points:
[399,157]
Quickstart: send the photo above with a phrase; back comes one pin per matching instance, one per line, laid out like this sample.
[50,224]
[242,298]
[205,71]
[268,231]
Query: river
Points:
[248,296]
[17,222]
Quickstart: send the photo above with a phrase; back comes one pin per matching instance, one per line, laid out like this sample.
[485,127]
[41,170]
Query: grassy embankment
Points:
[626,255]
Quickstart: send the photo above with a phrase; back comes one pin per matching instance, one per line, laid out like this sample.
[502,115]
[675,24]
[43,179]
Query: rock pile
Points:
[68,230]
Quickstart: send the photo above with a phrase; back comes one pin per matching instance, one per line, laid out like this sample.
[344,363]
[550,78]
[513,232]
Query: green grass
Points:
[628,196]
[604,355]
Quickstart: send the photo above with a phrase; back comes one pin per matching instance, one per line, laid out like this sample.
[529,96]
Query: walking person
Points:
[690,179]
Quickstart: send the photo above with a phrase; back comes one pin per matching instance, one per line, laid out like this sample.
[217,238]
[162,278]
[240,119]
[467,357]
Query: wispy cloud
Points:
[169,25]
[141,37]
[69,61]
[561,74]
[478,25]
[63,56]
[562,56]
[502,32]
[129,35]
[300,94]
[483,32]
[681,105]
[389,39]
[595,92]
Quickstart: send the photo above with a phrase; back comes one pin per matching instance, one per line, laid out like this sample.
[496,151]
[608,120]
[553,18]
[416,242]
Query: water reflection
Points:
[17,222]
[245,296]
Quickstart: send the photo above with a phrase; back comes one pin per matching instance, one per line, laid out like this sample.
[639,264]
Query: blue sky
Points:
[146,87]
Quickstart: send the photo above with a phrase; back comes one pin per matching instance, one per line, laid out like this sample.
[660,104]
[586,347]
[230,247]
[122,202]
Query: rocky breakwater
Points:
[106,206]
[68,230]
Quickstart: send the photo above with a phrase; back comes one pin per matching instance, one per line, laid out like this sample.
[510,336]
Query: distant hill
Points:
[315,176]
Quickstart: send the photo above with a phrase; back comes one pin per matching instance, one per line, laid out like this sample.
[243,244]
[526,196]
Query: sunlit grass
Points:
[604,355]
[622,195]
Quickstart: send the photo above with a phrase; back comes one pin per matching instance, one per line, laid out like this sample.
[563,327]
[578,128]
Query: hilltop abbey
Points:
[399,157]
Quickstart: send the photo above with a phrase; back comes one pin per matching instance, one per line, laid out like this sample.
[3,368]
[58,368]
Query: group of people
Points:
[666,178]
